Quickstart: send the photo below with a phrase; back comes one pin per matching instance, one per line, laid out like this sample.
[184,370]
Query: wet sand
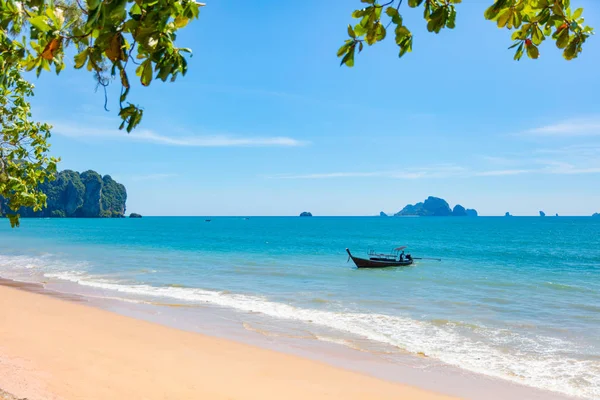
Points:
[52,347]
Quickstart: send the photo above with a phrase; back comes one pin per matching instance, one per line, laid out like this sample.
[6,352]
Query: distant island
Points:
[435,207]
[306,214]
[542,214]
[71,194]
[135,215]
[508,214]
[596,215]
[382,214]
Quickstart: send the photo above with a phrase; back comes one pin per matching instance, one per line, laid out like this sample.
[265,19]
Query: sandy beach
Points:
[51,348]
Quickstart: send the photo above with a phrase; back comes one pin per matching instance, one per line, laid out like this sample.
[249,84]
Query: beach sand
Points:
[52,348]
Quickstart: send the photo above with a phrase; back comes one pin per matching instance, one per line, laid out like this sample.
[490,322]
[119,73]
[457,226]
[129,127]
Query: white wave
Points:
[538,362]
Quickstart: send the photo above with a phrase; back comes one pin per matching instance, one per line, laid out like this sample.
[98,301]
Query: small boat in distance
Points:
[377,260]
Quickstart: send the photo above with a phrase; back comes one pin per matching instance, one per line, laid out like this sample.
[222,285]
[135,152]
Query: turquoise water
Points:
[515,298]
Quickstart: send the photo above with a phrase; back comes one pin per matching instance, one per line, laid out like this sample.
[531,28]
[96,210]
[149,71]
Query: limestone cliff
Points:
[79,195]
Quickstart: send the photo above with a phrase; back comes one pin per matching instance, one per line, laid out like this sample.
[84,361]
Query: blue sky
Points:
[267,123]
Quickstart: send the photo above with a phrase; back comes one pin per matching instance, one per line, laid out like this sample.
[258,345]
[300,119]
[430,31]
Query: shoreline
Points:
[410,370]
[51,348]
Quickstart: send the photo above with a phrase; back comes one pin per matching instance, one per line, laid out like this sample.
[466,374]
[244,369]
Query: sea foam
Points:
[541,362]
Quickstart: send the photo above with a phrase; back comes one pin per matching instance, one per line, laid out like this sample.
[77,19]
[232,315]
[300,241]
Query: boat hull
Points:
[364,263]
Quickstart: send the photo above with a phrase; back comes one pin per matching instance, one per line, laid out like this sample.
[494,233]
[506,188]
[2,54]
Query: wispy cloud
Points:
[545,167]
[565,168]
[504,172]
[152,177]
[77,131]
[442,171]
[590,151]
[326,175]
[574,127]
[504,161]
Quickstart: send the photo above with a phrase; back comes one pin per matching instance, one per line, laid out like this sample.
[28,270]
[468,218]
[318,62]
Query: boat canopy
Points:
[399,248]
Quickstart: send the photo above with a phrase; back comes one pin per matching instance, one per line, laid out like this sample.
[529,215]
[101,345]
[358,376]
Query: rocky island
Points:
[135,215]
[306,214]
[508,214]
[71,194]
[382,214]
[435,207]
[596,215]
[542,214]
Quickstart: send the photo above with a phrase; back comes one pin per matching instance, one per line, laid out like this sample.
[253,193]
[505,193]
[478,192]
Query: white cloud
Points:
[442,171]
[579,151]
[77,131]
[152,177]
[569,128]
[504,172]
[565,168]
[326,175]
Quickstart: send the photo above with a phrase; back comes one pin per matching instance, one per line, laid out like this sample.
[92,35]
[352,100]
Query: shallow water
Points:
[514,298]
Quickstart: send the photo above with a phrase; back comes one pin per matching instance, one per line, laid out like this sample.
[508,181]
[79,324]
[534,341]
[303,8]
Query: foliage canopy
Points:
[532,21]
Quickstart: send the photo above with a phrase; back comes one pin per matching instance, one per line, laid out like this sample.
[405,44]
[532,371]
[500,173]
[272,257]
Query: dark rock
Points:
[459,211]
[92,196]
[471,212]
[542,214]
[410,210]
[557,214]
[113,198]
[306,214]
[382,214]
[507,214]
[135,215]
[439,207]
[433,207]
[596,215]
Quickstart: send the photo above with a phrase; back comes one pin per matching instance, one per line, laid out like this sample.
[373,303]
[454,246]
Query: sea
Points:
[516,299]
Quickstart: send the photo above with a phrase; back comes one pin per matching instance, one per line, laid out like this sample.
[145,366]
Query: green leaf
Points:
[571,51]
[537,36]
[577,13]
[391,11]
[451,24]
[519,53]
[348,59]
[144,71]
[380,32]
[351,32]
[491,13]
[181,21]
[562,39]
[39,23]
[532,51]
[504,17]
[360,30]
[405,46]
[93,4]
[519,35]
[344,49]
[515,44]
[135,11]
[358,13]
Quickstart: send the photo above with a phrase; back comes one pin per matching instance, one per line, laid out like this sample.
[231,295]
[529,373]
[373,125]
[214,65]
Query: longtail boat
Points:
[382,260]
